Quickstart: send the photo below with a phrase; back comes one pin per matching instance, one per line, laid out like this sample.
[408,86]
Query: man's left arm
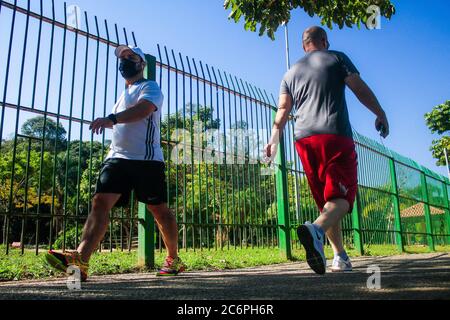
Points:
[366,96]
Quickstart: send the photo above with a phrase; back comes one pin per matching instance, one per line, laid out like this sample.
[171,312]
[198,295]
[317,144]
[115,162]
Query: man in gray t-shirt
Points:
[317,87]
[314,88]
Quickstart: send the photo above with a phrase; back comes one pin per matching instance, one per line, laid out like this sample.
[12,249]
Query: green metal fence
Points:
[56,78]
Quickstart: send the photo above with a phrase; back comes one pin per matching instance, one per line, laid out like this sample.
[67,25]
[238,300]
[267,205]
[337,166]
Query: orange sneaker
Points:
[62,261]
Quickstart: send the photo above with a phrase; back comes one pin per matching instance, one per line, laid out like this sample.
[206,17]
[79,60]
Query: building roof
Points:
[418,210]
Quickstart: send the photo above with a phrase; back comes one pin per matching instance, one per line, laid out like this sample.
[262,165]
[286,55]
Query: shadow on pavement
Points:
[401,278]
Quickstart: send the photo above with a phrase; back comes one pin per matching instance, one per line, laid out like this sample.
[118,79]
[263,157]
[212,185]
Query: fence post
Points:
[396,200]
[146,228]
[447,211]
[284,227]
[150,70]
[146,232]
[357,232]
[427,211]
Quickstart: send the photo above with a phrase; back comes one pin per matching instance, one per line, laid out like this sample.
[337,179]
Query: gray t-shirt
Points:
[317,87]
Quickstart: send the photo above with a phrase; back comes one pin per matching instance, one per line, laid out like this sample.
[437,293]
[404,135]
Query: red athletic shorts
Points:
[331,166]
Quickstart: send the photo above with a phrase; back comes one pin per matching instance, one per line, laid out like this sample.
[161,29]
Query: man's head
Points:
[132,61]
[315,38]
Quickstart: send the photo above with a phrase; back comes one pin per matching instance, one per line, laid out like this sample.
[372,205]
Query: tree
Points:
[271,14]
[203,114]
[28,192]
[438,120]
[438,150]
[35,128]
[26,175]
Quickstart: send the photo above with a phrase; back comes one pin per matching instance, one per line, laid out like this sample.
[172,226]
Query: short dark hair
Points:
[314,34]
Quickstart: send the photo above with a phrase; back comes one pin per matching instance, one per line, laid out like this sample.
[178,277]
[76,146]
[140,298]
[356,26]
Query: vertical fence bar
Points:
[192,152]
[219,166]
[284,228]
[184,228]
[66,204]
[80,143]
[243,215]
[357,232]
[8,65]
[167,155]
[249,217]
[105,99]
[112,213]
[55,142]
[36,62]
[268,115]
[257,166]
[169,138]
[227,210]
[427,211]
[11,206]
[235,165]
[25,207]
[199,156]
[252,106]
[206,164]
[396,202]
[265,214]
[5,90]
[146,229]
[160,246]
[447,211]
[214,211]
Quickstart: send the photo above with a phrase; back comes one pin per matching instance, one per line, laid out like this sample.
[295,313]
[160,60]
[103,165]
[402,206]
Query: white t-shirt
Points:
[139,140]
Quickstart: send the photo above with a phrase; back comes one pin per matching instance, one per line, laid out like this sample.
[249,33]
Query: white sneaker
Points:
[341,265]
[312,241]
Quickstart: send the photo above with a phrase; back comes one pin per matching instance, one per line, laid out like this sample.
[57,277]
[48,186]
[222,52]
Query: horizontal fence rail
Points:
[56,78]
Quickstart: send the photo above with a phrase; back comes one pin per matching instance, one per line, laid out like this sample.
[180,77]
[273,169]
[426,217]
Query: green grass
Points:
[29,266]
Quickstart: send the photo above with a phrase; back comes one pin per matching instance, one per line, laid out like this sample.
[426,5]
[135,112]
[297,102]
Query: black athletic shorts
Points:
[146,178]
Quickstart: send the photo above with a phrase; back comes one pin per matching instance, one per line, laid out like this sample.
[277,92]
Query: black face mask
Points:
[129,69]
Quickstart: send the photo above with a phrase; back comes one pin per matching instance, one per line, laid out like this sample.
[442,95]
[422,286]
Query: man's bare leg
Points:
[96,224]
[167,225]
[334,234]
[311,235]
[332,215]
[331,223]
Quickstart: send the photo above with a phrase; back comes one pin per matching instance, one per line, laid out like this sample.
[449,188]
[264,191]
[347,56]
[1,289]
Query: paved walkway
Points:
[424,276]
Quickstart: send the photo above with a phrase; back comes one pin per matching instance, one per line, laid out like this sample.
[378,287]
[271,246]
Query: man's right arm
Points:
[366,96]
[284,110]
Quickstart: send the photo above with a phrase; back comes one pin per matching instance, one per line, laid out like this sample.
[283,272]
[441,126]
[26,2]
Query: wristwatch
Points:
[113,118]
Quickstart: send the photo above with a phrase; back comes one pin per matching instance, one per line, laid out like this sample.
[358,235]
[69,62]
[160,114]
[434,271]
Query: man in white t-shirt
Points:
[135,162]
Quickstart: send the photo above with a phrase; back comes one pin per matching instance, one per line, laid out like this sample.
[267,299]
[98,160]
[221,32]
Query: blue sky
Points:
[406,62]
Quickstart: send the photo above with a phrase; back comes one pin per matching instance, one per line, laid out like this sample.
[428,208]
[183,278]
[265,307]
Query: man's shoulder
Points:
[151,91]
[297,68]
[294,69]
[150,87]
[149,84]
[338,54]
